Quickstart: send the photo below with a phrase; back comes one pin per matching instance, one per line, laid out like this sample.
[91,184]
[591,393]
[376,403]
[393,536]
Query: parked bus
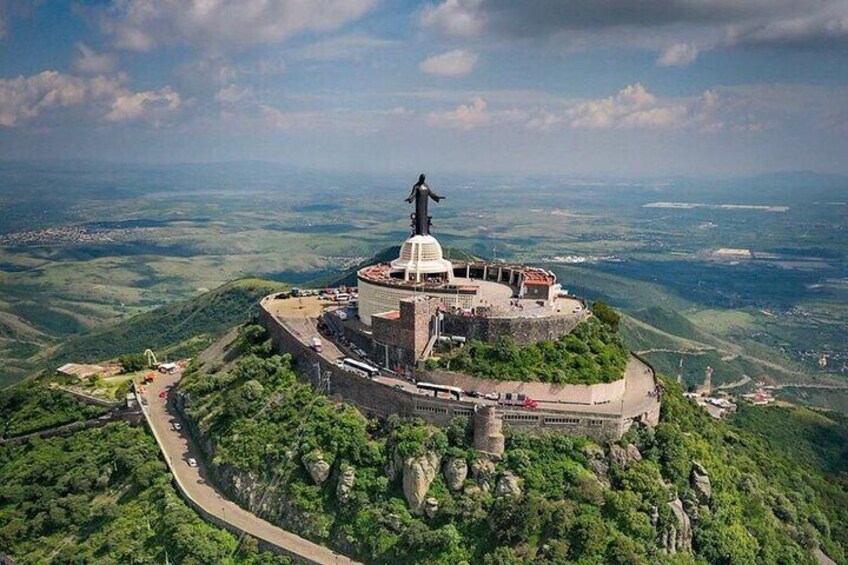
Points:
[517,399]
[342,297]
[369,370]
[456,392]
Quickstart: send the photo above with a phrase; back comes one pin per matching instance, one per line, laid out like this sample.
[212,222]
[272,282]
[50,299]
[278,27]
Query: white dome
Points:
[422,255]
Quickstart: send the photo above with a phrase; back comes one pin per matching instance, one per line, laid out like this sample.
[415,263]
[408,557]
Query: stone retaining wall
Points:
[601,393]
[523,331]
[378,399]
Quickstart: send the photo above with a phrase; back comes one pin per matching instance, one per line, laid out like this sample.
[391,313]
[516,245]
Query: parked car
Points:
[163,394]
[491,396]
[192,462]
[474,393]
[178,426]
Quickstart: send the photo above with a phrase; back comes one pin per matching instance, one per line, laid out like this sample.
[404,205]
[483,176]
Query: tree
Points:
[605,313]
[132,362]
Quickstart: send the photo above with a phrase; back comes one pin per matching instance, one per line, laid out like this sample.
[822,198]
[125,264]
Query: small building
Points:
[168,368]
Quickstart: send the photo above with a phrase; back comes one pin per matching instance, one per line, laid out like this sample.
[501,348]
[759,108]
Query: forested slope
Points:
[711,491]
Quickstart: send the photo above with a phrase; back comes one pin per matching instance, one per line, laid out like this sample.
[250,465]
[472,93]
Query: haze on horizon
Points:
[620,87]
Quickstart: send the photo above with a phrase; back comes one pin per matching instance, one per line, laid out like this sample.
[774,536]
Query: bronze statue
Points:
[420,193]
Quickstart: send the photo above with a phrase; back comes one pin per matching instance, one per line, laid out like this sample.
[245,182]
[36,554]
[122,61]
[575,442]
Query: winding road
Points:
[195,484]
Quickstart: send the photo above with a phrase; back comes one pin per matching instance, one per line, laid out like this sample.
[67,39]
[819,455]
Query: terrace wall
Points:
[523,331]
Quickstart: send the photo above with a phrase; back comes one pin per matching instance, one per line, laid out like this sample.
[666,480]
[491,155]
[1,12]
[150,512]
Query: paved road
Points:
[301,319]
[177,447]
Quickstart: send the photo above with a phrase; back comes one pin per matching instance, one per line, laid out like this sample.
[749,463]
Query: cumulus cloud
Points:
[90,62]
[129,106]
[474,115]
[451,64]
[464,117]
[454,17]
[141,25]
[24,99]
[678,55]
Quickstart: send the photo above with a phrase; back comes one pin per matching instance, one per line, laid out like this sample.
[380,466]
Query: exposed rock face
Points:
[507,486]
[701,484]
[418,473]
[597,461]
[345,484]
[677,537]
[456,471]
[317,468]
[621,457]
[483,471]
[431,507]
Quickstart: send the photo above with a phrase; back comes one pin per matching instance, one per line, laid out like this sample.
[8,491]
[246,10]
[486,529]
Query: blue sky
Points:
[588,87]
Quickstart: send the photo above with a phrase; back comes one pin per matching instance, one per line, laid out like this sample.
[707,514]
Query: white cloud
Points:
[451,64]
[129,106]
[464,117]
[233,93]
[454,17]
[632,107]
[678,55]
[24,99]
[93,63]
[141,25]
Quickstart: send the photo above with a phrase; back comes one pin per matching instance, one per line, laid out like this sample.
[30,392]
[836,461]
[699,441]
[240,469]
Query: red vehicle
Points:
[517,399]
[163,394]
[149,378]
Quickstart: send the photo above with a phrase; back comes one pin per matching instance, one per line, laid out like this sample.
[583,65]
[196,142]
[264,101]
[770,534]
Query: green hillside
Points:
[185,327]
[671,322]
[576,505]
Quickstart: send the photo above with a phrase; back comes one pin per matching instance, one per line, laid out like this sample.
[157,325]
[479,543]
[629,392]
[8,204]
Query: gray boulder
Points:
[621,457]
[431,507]
[456,471]
[677,536]
[345,484]
[317,468]
[418,474]
[701,484]
[507,485]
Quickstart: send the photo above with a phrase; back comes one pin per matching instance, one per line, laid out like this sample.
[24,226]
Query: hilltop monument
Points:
[421,220]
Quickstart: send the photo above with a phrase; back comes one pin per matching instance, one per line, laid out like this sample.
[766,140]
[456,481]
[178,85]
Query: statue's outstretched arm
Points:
[411,196]
[435,196]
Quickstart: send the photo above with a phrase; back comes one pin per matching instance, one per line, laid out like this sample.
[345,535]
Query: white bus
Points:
[369,370]
[342,297]
[454,391]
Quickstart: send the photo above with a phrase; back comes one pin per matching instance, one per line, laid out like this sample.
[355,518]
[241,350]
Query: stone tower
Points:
[488,431]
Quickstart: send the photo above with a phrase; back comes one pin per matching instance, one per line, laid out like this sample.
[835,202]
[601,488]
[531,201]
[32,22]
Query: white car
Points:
[192,462]
[491,396]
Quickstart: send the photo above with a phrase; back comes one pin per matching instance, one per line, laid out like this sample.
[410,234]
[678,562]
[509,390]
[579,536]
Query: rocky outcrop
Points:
[345,484]
[418,473]
[622,457]
[431,507]
[508,485]
[483,472]
[677,536]
[701,484]
[456,471]
[597,462]
[317,468]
